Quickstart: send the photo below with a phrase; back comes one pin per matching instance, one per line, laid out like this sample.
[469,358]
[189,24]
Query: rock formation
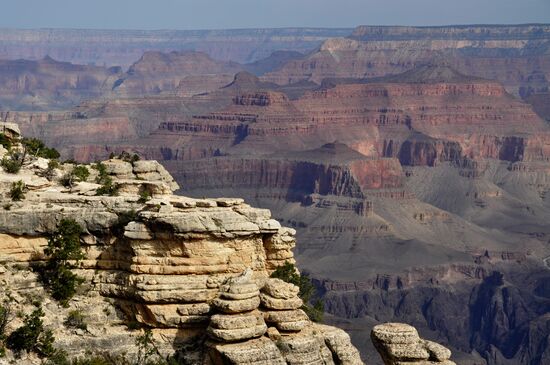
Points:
[398,187]
[399,344]
[185,267]
[124,47]
[516,56]
[407,192]
[238,303]
[283,306]
[184,73]
[48,84]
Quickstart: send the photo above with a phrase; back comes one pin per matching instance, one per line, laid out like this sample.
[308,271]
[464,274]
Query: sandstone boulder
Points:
[400,344]
[281,306]
[238,300]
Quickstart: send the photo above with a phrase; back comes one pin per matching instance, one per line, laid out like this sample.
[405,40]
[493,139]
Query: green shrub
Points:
[103,178]
[11,164]
[101,172]
[288,273]
[63,253]
[5,141]
[144,196]
[17,190]
[76,319]
[36,147]
[147,350]
[32,336]
[59,357]
[49,173]
[6,316]
[108,188]
[133,325]
[126,156]
[81,172]
[78,173]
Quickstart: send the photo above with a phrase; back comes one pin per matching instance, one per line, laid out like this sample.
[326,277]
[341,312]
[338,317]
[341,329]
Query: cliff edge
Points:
[196,272]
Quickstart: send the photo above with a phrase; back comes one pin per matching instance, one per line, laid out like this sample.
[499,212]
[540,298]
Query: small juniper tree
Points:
[32,336]
[12,162]
[78,173]
[103,178]
[17,191]
[63,253]
[6,316]
[36,147]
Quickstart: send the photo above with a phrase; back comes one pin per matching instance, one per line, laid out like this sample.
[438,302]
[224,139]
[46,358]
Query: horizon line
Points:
[280,28]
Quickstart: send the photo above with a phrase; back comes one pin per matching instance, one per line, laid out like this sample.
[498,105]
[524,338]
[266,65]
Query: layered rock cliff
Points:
[49,84]
[124,47]
[168,262]
[185,73]
[406,192]
[514,55]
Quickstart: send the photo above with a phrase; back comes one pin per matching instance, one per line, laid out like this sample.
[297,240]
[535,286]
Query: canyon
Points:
[413,163]
[124,47]
[195,271]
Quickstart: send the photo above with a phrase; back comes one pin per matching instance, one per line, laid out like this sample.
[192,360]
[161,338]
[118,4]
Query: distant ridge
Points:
[428,74]
[452,32]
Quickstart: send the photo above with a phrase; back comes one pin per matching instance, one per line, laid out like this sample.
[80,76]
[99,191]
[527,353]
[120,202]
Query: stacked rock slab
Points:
[238,303]
[282,306]
[140,177]
[400,344]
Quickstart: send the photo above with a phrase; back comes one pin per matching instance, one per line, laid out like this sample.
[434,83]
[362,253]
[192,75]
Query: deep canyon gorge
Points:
[412,163]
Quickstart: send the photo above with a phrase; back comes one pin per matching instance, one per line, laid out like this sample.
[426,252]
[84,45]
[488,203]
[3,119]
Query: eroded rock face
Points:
[399,344]
[377,51]
[191,269]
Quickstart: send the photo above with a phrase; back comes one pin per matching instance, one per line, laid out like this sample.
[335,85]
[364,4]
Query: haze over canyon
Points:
[413,163]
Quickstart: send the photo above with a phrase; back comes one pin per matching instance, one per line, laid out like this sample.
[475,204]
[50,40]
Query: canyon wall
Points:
[190,269]
[516,56]
[123,47]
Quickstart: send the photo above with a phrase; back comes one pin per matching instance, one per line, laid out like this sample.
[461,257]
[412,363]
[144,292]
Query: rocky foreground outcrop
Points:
[196,271]
[399,344]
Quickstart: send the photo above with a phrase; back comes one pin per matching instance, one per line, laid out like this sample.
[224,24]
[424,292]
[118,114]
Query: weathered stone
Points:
[233,296]
[292,326]
[304,349]
[437,351]
[399,343]
[228,202]
[261,351]
[118,167]
[246,288]
[285,316]
[280,289]
[236,306]
[280,304]
[339,344]
[231,335]
[273,334]
[397,333]
[137,231]
[172,266]
[225,321]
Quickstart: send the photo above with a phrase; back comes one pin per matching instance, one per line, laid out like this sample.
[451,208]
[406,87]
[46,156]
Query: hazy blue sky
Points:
[210,14]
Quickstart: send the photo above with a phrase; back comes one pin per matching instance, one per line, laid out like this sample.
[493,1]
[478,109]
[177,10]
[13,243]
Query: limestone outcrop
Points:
[190,269]
[400,344]
[239,319]
[282,304]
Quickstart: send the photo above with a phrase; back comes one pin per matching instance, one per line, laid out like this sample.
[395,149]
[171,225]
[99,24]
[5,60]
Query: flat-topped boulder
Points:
[281,304]
[400,344]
